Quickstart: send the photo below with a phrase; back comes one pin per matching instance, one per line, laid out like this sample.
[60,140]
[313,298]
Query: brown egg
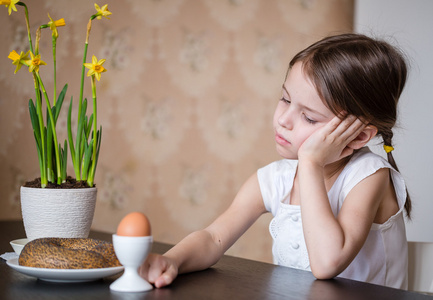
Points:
[134,224]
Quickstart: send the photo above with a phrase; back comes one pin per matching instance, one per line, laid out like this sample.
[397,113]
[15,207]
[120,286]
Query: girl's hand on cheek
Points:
[328,144]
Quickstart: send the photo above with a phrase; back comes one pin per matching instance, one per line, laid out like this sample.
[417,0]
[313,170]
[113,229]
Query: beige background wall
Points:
[186,104]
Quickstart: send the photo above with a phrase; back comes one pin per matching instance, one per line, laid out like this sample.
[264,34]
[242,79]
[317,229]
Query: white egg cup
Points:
[131,252]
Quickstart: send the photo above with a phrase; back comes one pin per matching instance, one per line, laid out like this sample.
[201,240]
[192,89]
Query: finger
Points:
[152,268]
[143,270]
[351,125]
[156,268]
[349,128]
[355,129]
[332,125]
[166,278]
[334,130]
[346,152]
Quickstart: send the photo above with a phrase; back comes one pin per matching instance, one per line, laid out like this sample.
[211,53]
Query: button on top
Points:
[295,218]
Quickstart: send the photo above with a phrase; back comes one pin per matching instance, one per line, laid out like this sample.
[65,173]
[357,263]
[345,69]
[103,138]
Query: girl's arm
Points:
[333,243]
[203,248]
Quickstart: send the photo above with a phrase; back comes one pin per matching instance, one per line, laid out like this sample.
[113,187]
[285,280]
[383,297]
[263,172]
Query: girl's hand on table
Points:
[159,270]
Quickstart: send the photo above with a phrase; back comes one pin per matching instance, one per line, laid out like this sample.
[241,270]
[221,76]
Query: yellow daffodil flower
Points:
[102,12]
[95,67]
[10,4]
[34,62]
[54,24]
[18,59]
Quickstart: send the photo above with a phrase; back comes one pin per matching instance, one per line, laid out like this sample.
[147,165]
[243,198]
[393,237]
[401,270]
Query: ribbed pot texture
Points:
[64,213]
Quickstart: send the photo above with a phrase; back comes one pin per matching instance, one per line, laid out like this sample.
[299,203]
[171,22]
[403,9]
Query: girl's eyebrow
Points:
[305,107]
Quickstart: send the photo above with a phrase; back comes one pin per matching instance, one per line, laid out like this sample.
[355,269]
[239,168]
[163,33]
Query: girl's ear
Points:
[363,138]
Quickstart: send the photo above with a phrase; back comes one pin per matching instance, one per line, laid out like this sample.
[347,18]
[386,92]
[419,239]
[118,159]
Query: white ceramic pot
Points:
[57,212]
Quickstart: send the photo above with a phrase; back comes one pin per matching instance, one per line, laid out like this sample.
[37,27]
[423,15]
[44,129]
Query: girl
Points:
[338,208]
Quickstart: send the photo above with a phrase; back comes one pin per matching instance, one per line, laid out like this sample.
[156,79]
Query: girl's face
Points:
[299,113]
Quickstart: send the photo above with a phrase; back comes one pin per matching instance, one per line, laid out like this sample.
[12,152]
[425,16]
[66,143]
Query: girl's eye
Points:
[287,101]
[311,121]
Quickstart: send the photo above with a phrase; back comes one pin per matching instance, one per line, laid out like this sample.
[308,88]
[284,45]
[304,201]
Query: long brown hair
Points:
[360,75]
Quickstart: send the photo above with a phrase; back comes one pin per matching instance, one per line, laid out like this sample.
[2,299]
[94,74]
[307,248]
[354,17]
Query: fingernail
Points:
[161,281]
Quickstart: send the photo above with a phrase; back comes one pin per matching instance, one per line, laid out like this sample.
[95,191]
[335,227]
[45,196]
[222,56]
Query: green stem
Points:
[74,155]
[55,69]
[83,71]
[28,24]
[44,180]
[53,127]
[91,178]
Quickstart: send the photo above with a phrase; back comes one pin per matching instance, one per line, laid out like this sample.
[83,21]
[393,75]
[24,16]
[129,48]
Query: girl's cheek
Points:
[306,135]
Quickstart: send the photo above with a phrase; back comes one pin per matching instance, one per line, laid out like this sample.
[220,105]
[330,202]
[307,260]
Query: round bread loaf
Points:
[68,253]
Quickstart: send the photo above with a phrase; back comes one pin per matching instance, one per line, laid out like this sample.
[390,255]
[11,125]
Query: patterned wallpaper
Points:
[186,104]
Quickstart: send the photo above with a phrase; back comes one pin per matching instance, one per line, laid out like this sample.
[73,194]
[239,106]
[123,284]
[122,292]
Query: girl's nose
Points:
[286,119]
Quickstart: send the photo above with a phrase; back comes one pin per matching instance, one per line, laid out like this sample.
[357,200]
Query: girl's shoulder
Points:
[276,181]
[280,166]
[365,163]
[368,161]
[280,171]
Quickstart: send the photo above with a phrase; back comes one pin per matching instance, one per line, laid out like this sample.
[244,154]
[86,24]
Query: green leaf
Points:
[79,144]
[34,120]
[98,147]
[70,138]
[60,102]
[87,159]
[41,163]
[89,126]
[64,160]
[49,149]
[44,154]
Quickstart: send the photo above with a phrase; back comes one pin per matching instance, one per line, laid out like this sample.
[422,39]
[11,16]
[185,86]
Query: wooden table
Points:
[231,278]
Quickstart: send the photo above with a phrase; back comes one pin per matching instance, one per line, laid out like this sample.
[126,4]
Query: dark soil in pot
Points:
[70,183]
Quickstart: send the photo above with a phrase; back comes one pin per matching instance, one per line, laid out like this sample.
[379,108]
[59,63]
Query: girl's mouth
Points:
[281,140]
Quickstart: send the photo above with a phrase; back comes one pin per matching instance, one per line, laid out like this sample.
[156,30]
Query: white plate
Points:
[64,275]
[18,245]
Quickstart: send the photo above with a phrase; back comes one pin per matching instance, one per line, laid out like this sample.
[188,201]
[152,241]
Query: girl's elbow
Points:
[325,270]
[323,275]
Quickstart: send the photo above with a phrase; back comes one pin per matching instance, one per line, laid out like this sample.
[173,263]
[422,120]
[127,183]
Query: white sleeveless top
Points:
[383,258]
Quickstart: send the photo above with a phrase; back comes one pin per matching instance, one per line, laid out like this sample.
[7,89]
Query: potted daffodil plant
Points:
[49,203]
